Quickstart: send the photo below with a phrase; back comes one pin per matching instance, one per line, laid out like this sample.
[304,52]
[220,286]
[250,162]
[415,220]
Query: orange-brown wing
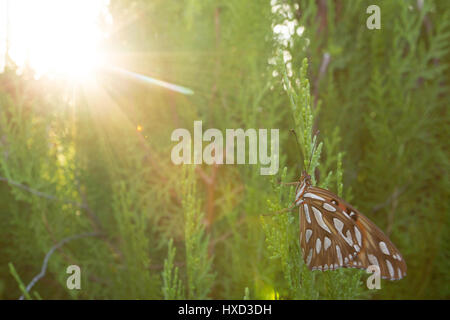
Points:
[327,238]
[379,250]
[375,246]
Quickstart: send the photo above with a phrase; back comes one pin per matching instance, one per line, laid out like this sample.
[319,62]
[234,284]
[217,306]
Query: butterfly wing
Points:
[379,250]
[375,247]
[324,240]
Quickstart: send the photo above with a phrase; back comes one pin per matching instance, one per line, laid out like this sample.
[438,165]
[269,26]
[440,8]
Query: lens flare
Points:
[56,37]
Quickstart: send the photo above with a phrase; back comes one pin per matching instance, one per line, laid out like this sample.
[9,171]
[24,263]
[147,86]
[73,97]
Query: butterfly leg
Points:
[294,183]
[290,183]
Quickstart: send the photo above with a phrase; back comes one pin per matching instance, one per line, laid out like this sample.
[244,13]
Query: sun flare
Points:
[56,37]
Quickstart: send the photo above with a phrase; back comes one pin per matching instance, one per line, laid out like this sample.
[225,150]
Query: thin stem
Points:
[48,255]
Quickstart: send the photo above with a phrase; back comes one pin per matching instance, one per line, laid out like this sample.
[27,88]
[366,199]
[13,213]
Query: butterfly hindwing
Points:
[380,251]
[371,245]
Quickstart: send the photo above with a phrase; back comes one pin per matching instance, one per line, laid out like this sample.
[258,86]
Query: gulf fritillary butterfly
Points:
[333,235]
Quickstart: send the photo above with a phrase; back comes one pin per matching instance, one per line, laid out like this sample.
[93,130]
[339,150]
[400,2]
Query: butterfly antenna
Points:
[313,149]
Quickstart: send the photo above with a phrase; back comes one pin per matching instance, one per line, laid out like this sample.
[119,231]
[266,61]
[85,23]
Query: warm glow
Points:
[57,37]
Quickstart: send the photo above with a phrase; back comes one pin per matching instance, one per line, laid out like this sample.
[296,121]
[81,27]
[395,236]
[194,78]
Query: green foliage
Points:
[283,234]
[22,287]
[172,285]
[198,263]
[369,108]
[247,294]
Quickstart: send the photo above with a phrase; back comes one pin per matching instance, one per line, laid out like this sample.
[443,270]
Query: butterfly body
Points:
[333,235]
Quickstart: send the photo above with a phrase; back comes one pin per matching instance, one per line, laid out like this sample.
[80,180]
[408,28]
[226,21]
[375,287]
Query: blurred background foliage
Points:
[95,158]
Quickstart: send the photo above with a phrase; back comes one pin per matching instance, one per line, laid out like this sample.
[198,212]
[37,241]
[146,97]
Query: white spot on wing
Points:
[358,236]
[318,245]
[391,270]
[339,255]
[326,243]
[308,259]
[345,214]
[305,206]
[308,235]
[349,237]
[384,248]
[300,191]
[313,196]
[329,207]
[319,219]
[373,260]
[338,224]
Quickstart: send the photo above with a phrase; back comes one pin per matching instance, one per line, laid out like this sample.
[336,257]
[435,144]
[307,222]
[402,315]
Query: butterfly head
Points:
[305,178]
[302,187]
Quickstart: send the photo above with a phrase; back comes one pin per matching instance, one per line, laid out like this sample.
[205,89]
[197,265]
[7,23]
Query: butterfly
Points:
[334,235]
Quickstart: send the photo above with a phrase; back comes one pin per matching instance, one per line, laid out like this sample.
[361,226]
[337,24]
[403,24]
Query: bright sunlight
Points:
[54,37]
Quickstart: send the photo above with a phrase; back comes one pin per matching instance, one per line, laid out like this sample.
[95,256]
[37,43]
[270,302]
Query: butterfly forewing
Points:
[322,245]
[333,234]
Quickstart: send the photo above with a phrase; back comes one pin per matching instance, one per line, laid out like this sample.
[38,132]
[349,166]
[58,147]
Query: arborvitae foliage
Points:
[283,233]
[198,263]
[93,161]
[172,285]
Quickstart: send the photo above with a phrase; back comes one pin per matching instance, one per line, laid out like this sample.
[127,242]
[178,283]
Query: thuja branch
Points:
[42,194]
[95,222]
[92,216]
[48,255]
